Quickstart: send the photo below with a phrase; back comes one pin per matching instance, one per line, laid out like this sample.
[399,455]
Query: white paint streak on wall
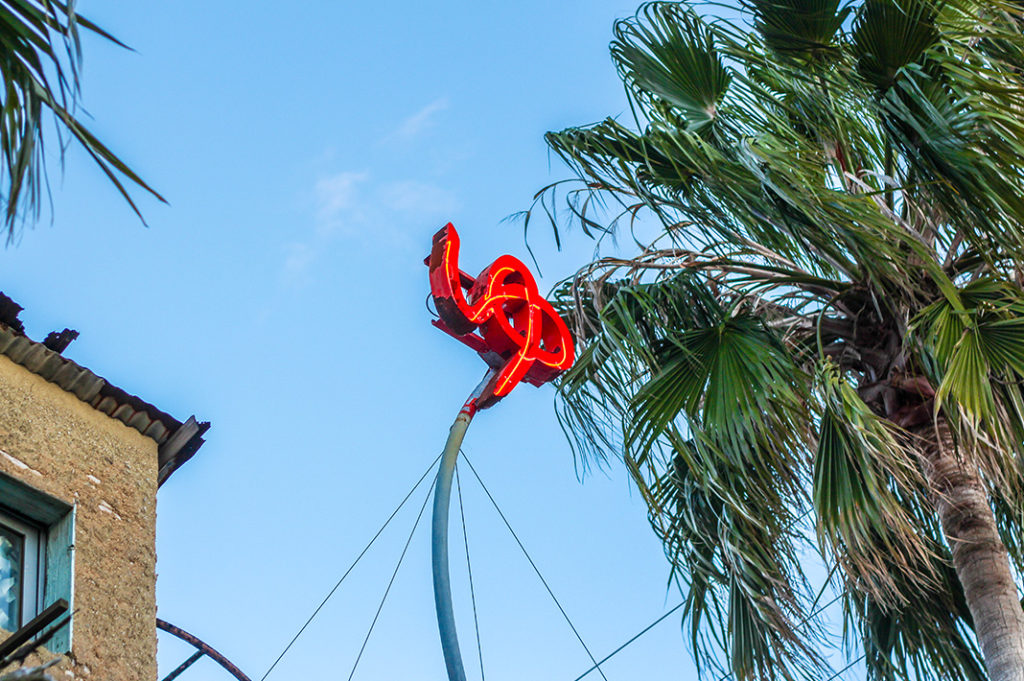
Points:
[105,507]
[20,464]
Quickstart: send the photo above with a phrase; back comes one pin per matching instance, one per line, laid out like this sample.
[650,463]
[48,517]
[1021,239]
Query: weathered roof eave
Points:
[177,441]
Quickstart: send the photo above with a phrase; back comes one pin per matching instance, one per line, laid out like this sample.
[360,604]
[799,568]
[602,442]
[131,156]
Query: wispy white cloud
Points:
[419,199]
[338,202]
[415,124]
[298,259]
[353,206]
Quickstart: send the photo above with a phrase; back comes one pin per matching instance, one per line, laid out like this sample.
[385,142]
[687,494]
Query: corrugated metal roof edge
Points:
[177,441]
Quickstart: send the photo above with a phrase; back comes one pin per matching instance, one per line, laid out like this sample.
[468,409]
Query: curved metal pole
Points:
[203,647]
[439,536]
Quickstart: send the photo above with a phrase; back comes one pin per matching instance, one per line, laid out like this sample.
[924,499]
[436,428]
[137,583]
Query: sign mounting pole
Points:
[521,338]
[439,536]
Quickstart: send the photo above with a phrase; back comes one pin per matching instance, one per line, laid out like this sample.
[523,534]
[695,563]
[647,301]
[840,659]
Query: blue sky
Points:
[308,157]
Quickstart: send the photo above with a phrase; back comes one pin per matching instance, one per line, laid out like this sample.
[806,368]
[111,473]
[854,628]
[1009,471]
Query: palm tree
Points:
[822,348]
[40,56]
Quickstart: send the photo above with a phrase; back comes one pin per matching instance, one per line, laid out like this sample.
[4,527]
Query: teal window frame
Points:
[57,522]
[29,581]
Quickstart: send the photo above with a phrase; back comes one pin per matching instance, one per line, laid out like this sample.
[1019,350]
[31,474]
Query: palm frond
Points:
[40,54]
[798,28]
[740,568]
[890,35]
[927,637]
[862,478]
[671,54]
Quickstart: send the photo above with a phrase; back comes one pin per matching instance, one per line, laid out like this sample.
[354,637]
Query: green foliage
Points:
[863,481]
[929,634]
[888,37]
[839,191]
[798,28]
[671,56]
[40,55]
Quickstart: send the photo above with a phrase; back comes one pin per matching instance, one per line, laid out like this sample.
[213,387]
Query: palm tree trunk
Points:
[979,557]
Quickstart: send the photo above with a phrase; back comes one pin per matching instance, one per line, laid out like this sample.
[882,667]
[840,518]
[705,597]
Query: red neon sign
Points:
[521,335]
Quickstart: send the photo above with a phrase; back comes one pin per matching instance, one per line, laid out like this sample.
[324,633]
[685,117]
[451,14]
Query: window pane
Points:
[12,549]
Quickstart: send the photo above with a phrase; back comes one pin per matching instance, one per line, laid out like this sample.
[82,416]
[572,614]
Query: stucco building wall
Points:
[54,442]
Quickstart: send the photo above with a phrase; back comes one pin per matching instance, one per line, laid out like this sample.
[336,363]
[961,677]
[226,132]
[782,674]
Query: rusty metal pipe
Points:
[202,646]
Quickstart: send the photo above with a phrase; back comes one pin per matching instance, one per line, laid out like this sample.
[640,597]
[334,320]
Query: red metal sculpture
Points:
[521,336]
